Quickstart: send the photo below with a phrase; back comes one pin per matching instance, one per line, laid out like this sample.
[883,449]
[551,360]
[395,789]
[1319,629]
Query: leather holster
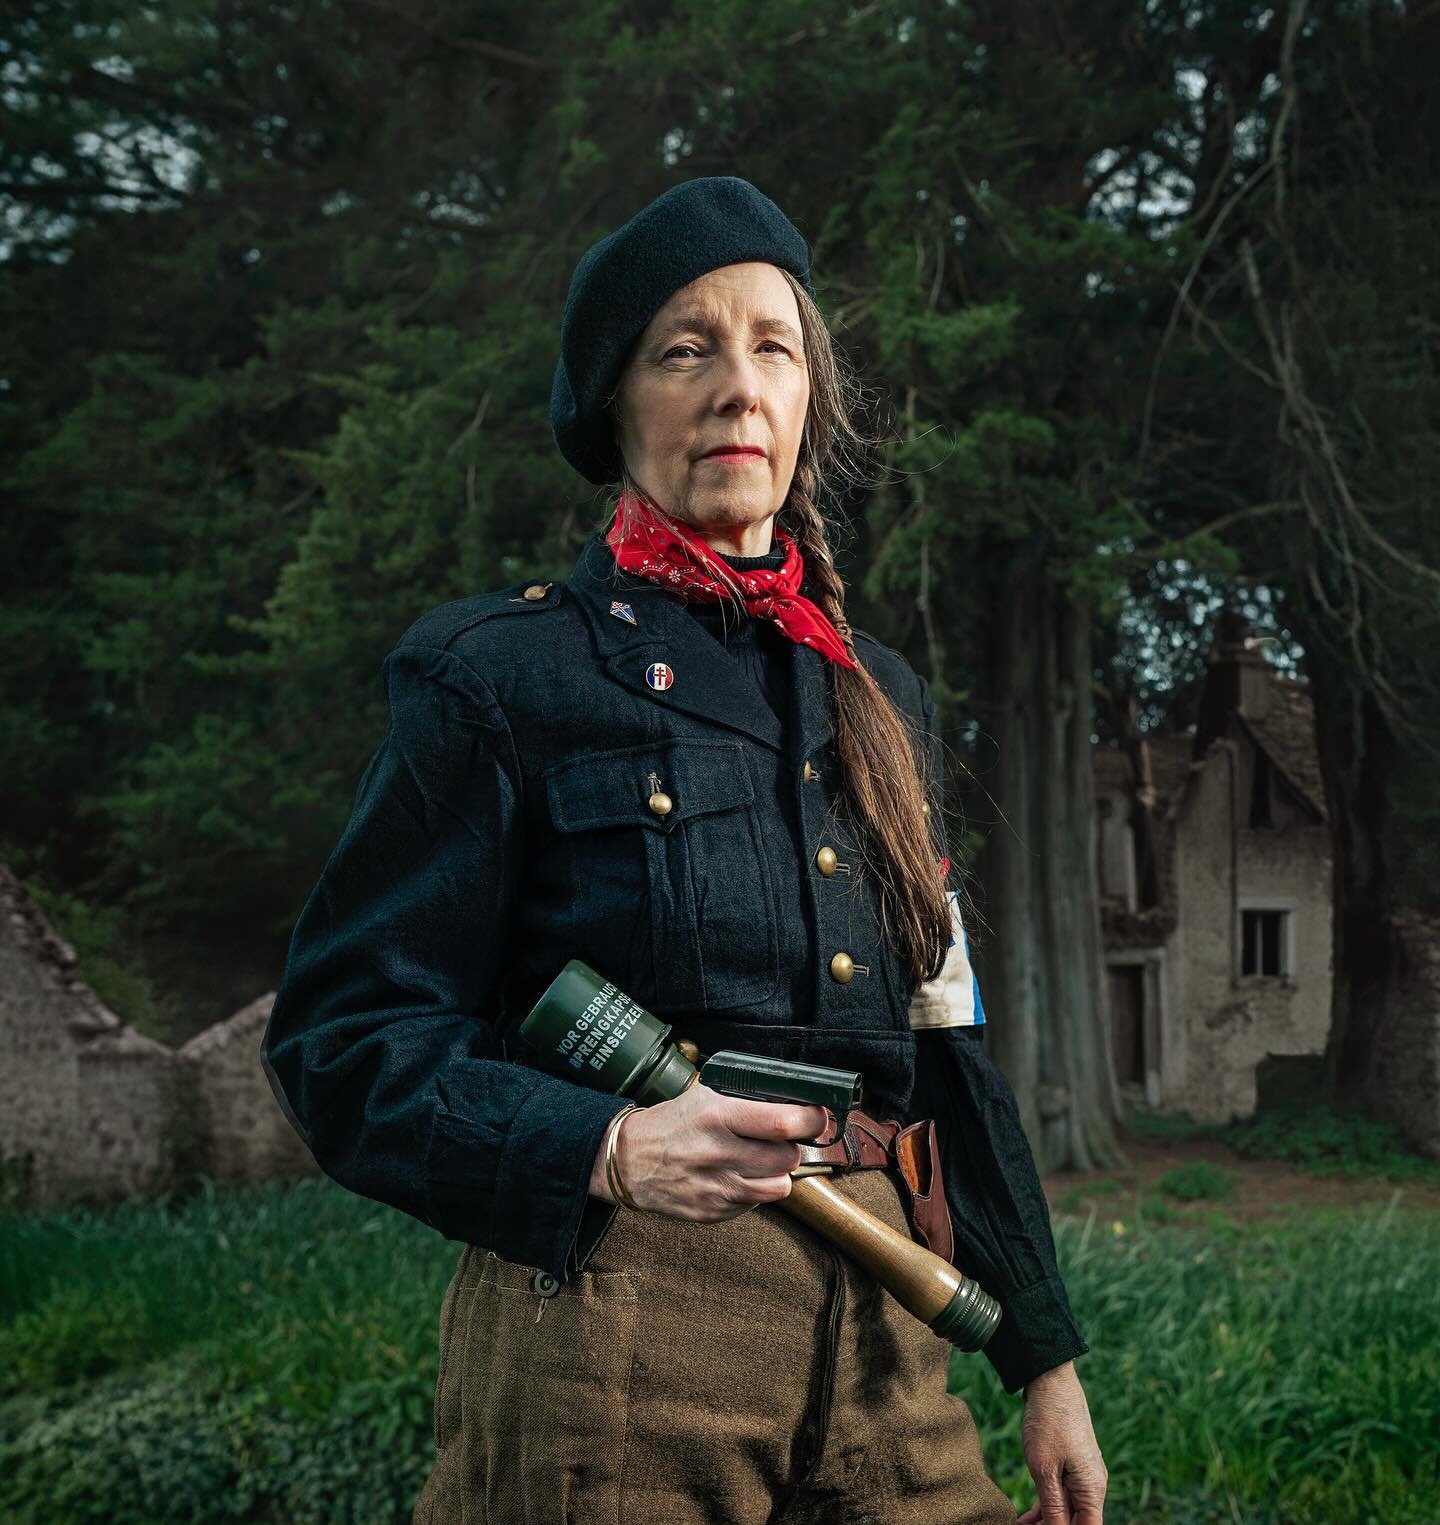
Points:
[915,1152]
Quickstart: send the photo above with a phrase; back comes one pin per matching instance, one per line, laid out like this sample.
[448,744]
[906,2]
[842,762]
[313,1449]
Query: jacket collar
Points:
[708,682]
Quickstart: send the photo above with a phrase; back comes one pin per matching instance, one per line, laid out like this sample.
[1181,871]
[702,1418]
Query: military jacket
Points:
[506,824]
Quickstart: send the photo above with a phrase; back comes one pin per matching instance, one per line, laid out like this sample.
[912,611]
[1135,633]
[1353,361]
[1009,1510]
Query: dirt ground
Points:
[1262,1187]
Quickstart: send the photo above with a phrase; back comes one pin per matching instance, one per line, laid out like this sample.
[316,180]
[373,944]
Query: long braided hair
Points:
[882,763]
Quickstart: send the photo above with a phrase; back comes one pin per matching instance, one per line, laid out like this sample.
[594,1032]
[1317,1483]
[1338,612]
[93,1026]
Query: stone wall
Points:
[1404,1081]
[1223,1025]
[91,1110]
[244,1133]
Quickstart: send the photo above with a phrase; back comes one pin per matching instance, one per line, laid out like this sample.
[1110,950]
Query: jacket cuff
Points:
[1037,1331]
[539,1209]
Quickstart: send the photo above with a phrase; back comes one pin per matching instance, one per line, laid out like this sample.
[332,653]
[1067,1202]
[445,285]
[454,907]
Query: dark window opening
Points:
[1262,942]
[1127,1019]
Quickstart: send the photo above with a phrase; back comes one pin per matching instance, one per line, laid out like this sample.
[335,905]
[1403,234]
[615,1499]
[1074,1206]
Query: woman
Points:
[682,769]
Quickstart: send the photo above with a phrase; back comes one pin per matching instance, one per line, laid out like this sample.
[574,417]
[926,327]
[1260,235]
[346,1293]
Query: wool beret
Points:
[625,279]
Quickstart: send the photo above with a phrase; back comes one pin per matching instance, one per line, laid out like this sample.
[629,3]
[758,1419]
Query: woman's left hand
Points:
[1061,1452]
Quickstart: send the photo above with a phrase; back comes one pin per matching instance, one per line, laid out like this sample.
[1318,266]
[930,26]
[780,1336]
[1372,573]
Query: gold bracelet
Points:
[612,1164]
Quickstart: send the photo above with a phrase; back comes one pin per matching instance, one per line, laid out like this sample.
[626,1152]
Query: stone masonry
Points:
[91,1110]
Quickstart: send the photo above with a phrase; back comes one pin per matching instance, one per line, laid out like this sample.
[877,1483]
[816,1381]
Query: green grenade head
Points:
[584,1028]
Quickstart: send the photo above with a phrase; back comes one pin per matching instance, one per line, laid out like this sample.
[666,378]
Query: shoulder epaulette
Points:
[441,626]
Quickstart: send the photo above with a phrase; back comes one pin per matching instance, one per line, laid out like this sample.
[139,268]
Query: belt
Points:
[914,1151]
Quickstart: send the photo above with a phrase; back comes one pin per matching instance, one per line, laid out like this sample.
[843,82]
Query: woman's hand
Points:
[709,1157]
[1061,1452]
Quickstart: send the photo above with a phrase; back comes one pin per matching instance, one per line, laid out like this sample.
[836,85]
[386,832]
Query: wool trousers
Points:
[736,1373]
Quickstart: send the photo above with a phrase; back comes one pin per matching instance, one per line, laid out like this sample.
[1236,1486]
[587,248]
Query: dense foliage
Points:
[270,1356]
[1143,292]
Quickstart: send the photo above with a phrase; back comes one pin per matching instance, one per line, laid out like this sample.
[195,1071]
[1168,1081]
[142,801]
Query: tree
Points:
[1345,316]
[283,293]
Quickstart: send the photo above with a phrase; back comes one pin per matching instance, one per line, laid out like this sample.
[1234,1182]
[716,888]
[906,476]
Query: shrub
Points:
[213,1455]
[1330,1141]
[1197,1182]
[1142,1122]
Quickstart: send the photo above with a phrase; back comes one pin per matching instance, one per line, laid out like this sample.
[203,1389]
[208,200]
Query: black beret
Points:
[625,279]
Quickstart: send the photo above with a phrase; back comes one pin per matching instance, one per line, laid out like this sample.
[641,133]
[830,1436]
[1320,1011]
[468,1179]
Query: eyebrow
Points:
[701,323]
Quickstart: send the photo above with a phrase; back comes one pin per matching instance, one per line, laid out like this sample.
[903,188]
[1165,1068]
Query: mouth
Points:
[734,455]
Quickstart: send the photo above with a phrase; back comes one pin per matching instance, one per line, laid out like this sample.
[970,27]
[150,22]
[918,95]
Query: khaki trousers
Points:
[738,1373]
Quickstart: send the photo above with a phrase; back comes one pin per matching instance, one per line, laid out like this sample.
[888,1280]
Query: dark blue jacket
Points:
[503,827]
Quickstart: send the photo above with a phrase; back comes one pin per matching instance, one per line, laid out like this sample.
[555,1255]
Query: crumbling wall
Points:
[91,1110]
[85,1101]
[1222,1024]
[243,1133]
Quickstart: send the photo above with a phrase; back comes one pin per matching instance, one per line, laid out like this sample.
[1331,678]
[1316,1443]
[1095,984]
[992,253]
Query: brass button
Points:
[535,591]
[660,803]
[842,968]
[808,773]
[926,807]
[825,861]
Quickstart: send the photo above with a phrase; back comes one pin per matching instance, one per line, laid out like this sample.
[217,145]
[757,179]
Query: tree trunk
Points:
[1357,749]
[1042,964]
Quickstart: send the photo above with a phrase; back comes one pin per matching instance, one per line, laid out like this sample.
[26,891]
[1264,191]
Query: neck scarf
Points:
[664,551]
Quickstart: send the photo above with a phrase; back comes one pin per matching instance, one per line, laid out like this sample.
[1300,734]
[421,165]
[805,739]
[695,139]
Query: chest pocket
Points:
[676,904]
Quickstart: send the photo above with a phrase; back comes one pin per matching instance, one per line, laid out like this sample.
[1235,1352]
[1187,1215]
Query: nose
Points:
[738,383]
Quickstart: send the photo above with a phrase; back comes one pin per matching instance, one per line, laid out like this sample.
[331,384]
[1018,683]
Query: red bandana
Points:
[659,548]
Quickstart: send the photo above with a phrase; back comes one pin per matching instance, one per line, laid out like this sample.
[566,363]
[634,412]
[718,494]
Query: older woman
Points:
[684,767]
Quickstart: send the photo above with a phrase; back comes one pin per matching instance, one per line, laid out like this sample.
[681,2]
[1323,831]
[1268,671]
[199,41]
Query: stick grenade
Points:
[587,1030]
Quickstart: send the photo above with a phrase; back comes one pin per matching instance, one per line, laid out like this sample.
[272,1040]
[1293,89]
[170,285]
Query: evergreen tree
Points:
[281,307]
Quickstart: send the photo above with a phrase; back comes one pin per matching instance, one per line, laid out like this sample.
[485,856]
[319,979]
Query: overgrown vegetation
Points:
[1314,1136]
[1327,1140]
[1199,1181]
[270,1356]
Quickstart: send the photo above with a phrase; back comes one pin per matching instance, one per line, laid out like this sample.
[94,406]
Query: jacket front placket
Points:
[859,1021]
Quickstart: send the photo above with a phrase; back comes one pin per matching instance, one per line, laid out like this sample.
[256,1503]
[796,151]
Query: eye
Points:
[675,349]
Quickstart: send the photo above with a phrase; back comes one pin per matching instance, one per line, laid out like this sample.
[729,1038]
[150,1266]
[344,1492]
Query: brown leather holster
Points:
[915,1152]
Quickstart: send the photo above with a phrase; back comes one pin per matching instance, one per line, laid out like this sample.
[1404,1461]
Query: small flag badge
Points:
[659,675]
[622,612]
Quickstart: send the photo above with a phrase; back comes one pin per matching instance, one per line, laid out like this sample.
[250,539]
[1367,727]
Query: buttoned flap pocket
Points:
[620,788]
[666,875]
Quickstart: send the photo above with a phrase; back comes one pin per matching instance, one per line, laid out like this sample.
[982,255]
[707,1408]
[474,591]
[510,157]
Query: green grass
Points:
[1327,1141]
[1273,1373]
[1197,1182]
[270,1356]
[1142,1122]
[265,1355]
[1078,1196]
[1315,1137]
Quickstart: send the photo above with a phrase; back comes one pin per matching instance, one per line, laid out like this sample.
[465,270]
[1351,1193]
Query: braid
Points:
[807,525]
[883,767]
[885,781]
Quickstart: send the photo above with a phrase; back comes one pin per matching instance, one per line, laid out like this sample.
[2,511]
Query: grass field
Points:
[270,1356]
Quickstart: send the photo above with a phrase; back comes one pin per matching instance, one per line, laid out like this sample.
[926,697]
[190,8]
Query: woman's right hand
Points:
[709,1157]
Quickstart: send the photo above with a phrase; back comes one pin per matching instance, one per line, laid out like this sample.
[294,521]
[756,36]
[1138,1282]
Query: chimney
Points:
[1237,678]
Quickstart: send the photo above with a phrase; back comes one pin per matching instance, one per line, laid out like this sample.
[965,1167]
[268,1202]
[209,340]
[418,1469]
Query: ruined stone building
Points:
[1215,891]
[92,1110]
